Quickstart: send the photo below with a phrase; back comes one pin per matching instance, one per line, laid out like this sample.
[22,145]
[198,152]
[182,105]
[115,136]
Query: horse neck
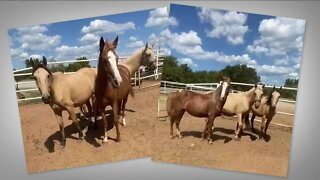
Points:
[133,62]
[250,95]
[216,96]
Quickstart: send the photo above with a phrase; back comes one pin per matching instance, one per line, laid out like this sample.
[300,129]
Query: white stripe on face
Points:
[223,91]
[113,62]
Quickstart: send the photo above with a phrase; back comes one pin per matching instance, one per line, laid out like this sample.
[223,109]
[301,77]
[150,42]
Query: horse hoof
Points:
[171,137]
[62,145]
[105,140]
[180,137]
[210,142]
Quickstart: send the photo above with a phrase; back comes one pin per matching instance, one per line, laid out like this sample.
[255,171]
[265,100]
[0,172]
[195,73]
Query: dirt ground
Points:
[41,136]
[269,156]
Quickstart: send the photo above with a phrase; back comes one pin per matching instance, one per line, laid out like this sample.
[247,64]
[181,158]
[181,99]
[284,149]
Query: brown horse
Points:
[145,57]
[266,111]
[65,92]
[199,105]
[240,103]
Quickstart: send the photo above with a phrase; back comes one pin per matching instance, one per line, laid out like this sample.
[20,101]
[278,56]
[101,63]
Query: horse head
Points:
[149,58]
[258,95]
[274,97]
[108,61]
[223,88]
[43,78]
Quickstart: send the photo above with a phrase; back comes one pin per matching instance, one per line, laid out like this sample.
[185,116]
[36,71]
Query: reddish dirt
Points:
[250,154]
[41,136]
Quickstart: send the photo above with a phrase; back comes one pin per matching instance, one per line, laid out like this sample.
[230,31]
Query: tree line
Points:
[173,71]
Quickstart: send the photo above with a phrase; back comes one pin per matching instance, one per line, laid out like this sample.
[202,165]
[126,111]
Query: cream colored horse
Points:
[266,111]
[145,57]
[65,92]
[240,103]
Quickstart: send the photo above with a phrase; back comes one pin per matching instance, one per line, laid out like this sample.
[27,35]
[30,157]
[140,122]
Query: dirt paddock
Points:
[269,156]
[41,136]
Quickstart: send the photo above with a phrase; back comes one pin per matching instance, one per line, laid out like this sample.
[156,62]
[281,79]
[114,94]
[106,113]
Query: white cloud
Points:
[65,52]
[279,36]
[294,75]
[160,17]
[89,38]
[34,38]
[229,24]
[297,66]
[187,61]
[189,44]
[103,26]
[18,54]
[134,42]
[272,70]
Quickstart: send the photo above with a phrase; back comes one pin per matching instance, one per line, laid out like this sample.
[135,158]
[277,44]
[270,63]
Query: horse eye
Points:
[48,75]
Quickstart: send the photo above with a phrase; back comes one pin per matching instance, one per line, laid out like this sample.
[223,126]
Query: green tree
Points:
[291,94]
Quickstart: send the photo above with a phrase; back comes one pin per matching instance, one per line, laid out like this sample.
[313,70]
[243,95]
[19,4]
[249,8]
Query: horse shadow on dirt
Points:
[215,137]
[71,132]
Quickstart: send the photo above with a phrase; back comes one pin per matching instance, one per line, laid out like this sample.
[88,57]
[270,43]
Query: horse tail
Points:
[131,91]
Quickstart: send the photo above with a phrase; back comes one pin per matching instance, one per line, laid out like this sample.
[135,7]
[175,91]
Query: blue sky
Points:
[72,39]
[210,39]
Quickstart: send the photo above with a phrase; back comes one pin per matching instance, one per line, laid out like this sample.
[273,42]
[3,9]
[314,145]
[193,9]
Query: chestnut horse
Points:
[65,92]
[199,105]
[266,111]
[240,103]
[113,83]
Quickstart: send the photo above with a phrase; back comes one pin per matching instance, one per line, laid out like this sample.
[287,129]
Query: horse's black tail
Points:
[168,105]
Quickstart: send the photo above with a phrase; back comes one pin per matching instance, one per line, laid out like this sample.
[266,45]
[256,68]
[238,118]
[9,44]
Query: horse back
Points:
[75,88]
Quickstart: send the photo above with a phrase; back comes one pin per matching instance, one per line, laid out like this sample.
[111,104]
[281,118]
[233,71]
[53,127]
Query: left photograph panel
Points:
[87,89]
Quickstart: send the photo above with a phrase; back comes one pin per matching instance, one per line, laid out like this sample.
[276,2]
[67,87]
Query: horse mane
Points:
[40,66]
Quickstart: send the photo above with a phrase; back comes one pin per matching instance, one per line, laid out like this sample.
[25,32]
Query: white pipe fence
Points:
[169,86]
[159,55]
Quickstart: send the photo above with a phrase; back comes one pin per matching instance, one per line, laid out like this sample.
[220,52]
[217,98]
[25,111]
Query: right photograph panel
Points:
[229,89]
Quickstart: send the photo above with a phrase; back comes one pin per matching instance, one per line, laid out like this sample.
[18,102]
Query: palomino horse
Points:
[240,103]
[65,92]
[199,105]
[109,92]
[266,110]
[133,63]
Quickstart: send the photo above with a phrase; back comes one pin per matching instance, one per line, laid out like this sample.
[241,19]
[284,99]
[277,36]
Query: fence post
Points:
[157,61]
[139,78]
[135,79]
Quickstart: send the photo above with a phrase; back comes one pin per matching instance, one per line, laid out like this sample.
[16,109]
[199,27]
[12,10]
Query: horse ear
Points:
[115,42]
[263,85]
[274,88]
[101,44]
[280,88]
[31,62]
[44,59]
[152,45]
[255,85]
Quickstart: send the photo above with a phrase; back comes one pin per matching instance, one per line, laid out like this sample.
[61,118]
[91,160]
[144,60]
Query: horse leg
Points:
[178,119]
[116,119]
[210,127]
[123,107]
[104,128]
[73,116]
[90,117]
[239,127]
[205,129]
[267,125]
[171,126]
[58,114]
[252,122]
[262,126]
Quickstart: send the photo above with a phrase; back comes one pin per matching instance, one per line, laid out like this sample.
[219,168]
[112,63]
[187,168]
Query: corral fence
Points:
[166,87]
[136,79]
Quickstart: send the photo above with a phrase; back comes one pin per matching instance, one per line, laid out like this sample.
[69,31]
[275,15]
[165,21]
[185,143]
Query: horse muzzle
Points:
[46,99]
[257,104]
[116,83]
